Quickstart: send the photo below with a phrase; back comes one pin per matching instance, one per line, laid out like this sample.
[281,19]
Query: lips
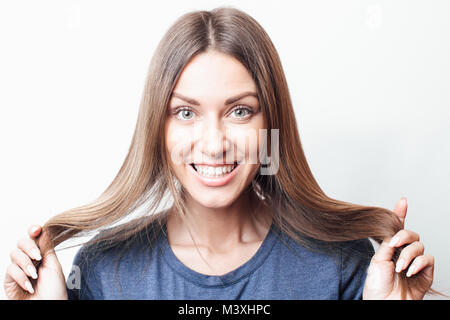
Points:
[215,170]
[214,175]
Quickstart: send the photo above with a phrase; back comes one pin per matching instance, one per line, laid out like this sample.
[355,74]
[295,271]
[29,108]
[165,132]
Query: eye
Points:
[241,112]
[184,113]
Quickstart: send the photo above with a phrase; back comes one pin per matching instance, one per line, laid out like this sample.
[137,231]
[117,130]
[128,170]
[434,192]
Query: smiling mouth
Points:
[214,171]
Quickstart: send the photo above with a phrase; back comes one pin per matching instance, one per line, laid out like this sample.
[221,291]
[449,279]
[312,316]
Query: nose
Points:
[213,142]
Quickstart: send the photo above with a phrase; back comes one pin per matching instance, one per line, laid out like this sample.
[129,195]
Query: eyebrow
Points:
[227,102]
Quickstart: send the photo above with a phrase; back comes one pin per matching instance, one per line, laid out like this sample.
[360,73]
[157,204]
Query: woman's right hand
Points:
[48,279]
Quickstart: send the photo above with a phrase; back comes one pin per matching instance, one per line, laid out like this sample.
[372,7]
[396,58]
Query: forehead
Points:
[213,73]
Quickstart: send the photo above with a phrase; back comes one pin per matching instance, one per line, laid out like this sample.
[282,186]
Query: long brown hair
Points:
[145,181]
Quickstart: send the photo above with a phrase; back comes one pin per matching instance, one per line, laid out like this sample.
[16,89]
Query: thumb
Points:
[34,231]
[400,210]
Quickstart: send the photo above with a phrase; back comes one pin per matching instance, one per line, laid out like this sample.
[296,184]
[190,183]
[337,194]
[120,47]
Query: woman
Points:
[216,136]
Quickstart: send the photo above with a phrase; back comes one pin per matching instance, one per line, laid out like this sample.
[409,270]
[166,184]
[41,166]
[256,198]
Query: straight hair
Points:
[300,208]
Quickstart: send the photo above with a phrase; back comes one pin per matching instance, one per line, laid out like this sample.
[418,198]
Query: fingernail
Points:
[399,265]
[411,270]
[34,229]
[29,287]
[32,271]
[36,254]
[394,241]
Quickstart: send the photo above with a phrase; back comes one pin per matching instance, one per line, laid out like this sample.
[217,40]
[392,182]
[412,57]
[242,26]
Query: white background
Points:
[370,83]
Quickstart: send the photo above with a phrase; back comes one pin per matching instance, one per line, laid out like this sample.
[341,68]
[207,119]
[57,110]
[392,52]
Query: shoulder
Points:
[336,270]
[341,251]
[111,251]
[125,239]
[355,259]
[361,249]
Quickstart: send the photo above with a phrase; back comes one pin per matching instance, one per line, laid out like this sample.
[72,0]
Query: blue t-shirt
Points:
[280,269]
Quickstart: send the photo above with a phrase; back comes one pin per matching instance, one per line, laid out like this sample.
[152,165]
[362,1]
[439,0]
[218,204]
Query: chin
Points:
[214,200]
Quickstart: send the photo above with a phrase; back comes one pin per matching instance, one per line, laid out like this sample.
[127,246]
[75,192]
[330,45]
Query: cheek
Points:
[178,142]
[247,143]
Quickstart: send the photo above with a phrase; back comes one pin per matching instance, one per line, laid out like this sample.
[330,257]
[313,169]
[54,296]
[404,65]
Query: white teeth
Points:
[209,171]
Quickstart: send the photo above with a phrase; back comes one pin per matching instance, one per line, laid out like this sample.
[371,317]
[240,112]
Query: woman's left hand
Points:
[380,282]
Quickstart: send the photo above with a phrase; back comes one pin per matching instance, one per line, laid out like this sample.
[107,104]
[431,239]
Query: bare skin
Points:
[218,234]
[221,258]
[49,280]
[380,284]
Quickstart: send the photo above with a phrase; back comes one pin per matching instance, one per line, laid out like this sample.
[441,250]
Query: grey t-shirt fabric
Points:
[281,269]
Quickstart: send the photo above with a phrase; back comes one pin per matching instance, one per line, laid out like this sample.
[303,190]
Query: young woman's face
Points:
[212,129]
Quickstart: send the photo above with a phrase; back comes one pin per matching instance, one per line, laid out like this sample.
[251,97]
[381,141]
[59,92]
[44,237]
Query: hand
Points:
[48,279]
[380,282]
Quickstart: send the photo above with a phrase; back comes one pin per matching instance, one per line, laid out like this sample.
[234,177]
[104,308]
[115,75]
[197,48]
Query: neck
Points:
[220,229]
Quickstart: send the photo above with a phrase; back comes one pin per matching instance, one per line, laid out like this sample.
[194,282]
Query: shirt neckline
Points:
[224,280]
